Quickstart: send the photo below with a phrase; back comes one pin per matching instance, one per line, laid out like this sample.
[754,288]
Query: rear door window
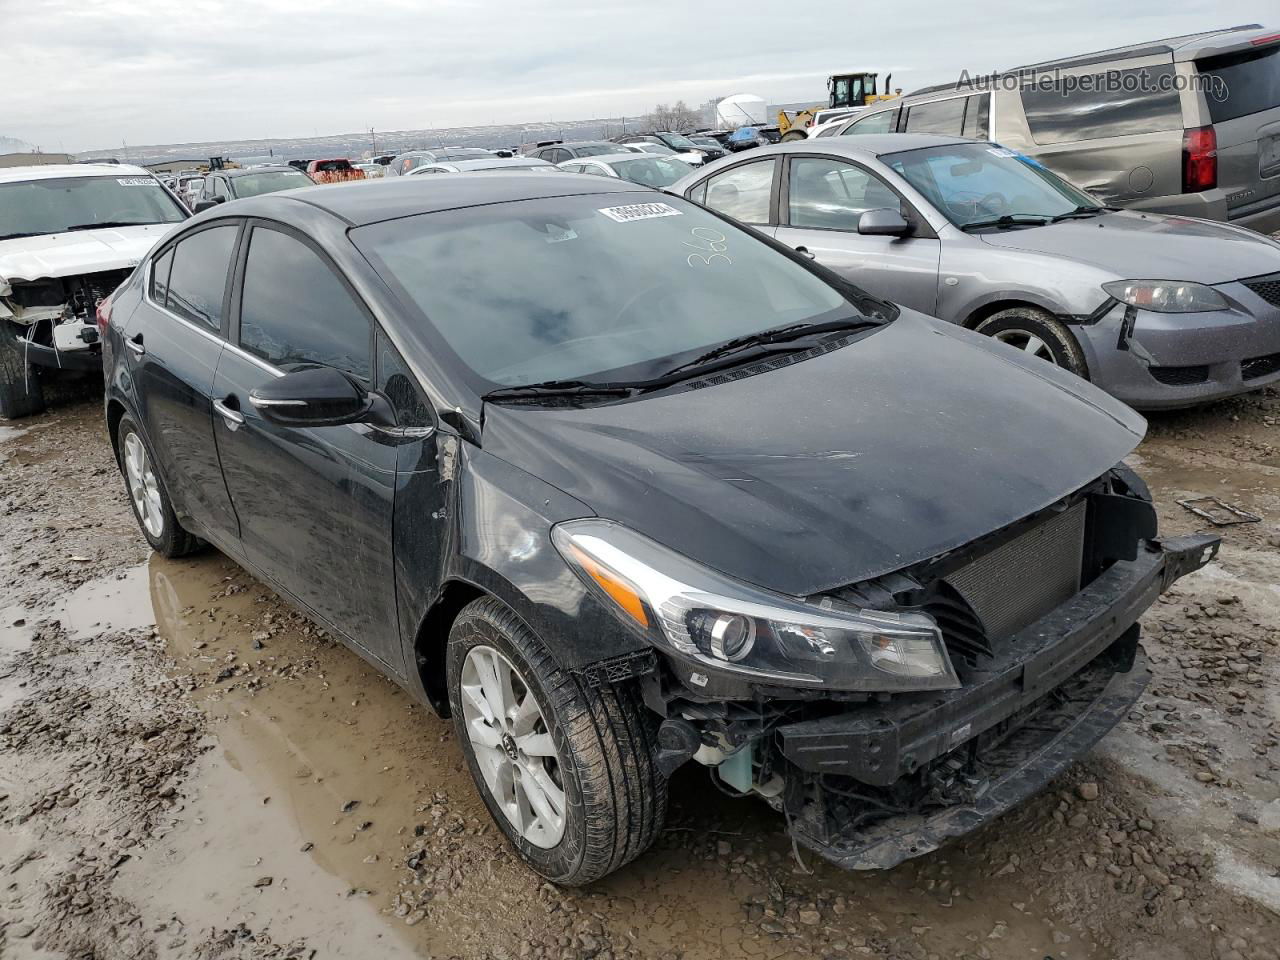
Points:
[1118,103]
[160,277]
[743,192]
[295,311]
[942,117]
[1241,83]
[198,278]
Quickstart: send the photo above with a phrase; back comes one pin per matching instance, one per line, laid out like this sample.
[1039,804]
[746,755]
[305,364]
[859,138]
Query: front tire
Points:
[151,506]
[21,392]
[566,770]
[1037,333]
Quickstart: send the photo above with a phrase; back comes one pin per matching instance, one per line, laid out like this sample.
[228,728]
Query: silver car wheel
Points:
[513,746]
[1027,342]
[143,486]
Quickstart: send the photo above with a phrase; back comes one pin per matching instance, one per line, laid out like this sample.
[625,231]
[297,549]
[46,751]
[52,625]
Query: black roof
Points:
[364,202]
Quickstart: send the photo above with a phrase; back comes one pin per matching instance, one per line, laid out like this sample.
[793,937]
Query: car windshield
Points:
[601,287]
[35,207]
[982,182]
[653,148]
[254,184]
[677,142]
[652,171]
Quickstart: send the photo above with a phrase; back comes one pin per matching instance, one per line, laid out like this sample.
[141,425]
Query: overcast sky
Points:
[82,74]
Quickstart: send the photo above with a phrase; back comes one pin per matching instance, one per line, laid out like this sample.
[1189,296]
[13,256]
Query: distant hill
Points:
[355,145]
[360,144]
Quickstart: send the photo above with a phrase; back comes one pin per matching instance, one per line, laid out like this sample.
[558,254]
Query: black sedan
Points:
[620,485]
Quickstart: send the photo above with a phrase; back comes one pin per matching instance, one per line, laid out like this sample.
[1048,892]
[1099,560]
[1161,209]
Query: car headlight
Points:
[736,628]
[1166,296]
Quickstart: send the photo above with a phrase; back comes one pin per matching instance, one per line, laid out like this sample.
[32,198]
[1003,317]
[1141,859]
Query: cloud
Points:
[102,72]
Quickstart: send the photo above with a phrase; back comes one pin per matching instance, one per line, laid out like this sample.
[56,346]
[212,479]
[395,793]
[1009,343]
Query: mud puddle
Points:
[323,778]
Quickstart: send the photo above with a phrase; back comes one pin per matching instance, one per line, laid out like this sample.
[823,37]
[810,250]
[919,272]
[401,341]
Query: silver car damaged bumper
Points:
[1155,361]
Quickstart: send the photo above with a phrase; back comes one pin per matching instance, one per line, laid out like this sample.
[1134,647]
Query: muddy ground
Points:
[189,769]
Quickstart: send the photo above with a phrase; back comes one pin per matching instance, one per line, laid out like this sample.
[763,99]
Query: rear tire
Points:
[21,392]
[1037,333]
[614,800]
[151,506]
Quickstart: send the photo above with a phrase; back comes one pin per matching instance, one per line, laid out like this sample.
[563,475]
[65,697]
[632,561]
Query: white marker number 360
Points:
[711,246]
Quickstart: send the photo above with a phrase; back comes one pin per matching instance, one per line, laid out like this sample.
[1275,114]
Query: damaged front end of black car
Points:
[886,716]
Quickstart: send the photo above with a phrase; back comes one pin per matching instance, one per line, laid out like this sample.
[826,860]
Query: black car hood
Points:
[903,445]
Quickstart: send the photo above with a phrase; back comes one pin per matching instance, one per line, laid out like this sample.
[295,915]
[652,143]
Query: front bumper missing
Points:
[1074,675]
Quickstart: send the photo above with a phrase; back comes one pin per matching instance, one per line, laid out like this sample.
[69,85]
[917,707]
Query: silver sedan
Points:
[1159,311]
[649,169]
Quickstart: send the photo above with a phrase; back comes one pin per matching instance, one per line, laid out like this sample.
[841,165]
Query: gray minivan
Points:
[1187,126]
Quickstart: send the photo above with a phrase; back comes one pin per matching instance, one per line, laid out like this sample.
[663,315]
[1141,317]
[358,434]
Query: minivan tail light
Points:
[1199,160]
[103,315]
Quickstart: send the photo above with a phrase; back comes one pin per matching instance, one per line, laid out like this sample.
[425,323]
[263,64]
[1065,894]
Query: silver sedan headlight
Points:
[735,628]
[1166,296]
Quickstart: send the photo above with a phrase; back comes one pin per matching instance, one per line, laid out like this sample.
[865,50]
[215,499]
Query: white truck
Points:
[69,235]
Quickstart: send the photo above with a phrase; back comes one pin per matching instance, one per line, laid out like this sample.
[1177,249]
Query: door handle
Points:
[135,344]
[806,252]
[232,416]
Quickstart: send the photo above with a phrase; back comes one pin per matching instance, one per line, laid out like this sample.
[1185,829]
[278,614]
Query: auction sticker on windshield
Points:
[640,211]
[134,181]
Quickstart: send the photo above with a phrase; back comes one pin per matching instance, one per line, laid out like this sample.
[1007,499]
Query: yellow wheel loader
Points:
[848,92]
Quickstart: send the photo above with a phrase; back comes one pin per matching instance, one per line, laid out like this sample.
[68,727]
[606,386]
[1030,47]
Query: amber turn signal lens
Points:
[619,590]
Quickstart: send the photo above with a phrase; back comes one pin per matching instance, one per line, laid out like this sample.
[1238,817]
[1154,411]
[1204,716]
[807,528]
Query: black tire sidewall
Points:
[1060,341]
[473,628]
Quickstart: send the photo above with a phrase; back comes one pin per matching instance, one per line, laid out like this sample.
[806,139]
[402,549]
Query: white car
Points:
[372,171]
[69,235]
[510,165]
[826,123]
[648,169]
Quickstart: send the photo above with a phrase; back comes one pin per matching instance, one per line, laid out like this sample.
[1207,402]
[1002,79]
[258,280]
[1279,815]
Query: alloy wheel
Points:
[513,746]
[143,486]
[1027,342]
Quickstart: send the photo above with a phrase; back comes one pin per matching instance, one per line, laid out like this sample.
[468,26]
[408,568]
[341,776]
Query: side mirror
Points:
[207,204]
[883,222]
[319,397]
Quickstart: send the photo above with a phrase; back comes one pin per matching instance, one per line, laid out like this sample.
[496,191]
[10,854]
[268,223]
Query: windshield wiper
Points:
[563,388]
[19,236]
[1084,210]
[107,224]
[1007,221]
[768,338]
[792,338]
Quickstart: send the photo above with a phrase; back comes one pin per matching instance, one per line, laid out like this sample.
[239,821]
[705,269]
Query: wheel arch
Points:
[115,413]
[431,641]
[992,307]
